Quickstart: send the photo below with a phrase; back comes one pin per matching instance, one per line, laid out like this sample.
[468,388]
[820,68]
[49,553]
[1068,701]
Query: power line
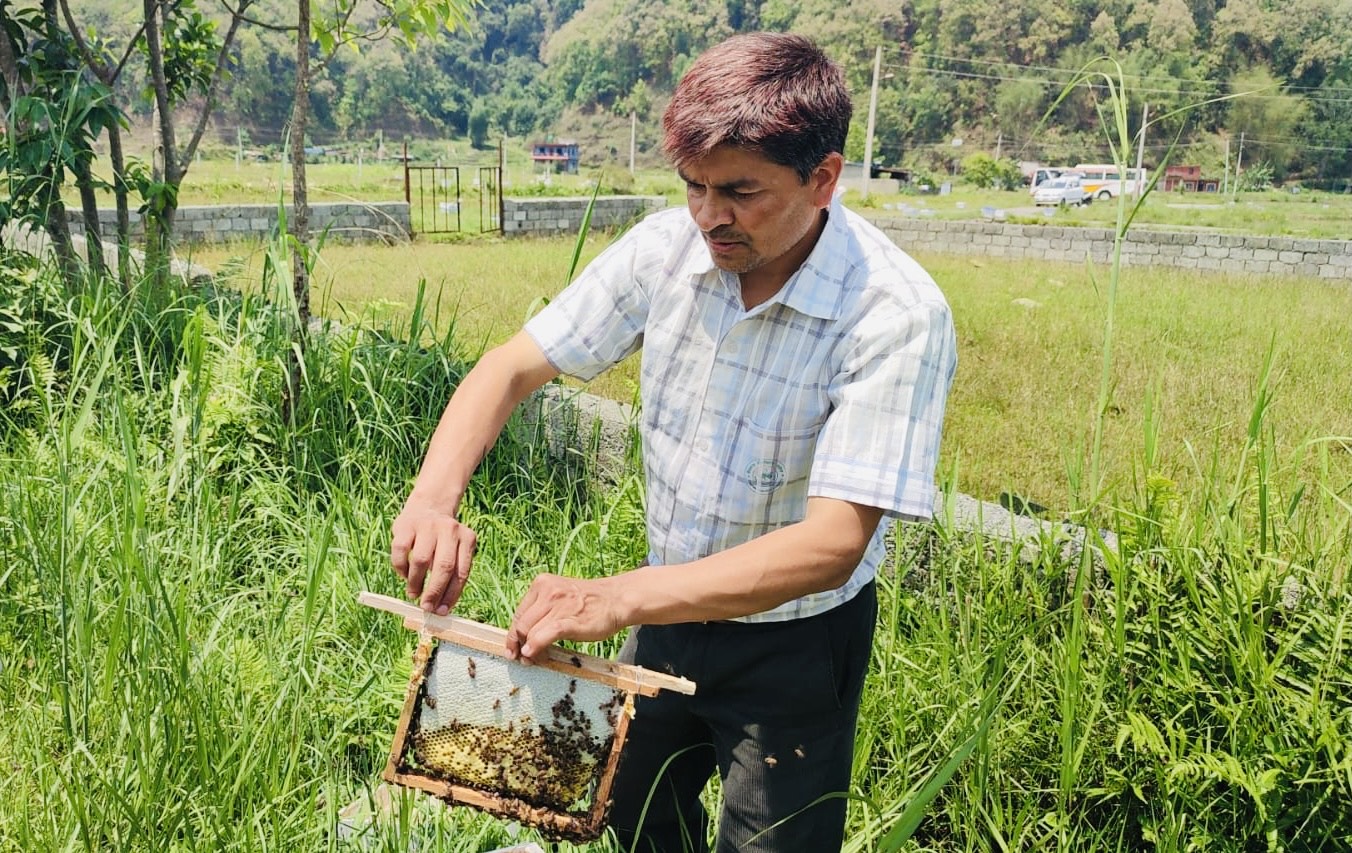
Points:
[1070,76]
[1127,75]
[1089,83]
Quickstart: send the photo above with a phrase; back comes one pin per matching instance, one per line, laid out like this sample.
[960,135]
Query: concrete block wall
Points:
[358,222]
[546,216]
[1327,259]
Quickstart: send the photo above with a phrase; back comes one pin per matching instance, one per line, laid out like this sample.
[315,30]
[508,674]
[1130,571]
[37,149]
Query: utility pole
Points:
[239,146]
[999,143]
[1225,182]
[1140,151]
[1239,160]
[872,117]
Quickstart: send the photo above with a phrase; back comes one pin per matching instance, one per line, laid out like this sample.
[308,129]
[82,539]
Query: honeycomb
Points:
[528,733]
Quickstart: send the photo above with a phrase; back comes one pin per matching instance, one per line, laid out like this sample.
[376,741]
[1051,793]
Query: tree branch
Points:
[131,48]
[255,22]
[213,87]
[91,61]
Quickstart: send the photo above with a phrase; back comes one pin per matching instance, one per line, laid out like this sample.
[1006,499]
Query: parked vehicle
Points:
[1104,181]
[1037,177]
[1059,192]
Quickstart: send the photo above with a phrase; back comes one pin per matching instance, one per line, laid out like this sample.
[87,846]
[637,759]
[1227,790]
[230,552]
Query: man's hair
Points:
[774,93]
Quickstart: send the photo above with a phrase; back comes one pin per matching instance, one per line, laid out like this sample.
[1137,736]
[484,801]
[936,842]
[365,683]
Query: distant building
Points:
[562,154]
[1189,178]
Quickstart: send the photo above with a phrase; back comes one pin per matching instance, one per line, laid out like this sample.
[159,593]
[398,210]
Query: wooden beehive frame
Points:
[629,680]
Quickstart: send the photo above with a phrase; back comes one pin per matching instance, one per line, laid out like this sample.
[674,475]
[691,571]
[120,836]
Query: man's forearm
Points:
[429,547]
[814,555]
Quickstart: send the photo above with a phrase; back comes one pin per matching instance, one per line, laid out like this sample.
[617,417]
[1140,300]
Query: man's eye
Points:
[694,188]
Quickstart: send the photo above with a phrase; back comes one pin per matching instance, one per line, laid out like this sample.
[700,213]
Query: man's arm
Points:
[816,554]
[429,547]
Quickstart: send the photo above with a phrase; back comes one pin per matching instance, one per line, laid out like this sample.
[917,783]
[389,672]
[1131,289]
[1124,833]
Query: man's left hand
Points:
[559,608]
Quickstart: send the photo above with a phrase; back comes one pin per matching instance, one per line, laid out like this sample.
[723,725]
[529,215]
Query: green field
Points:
[1309,214]
[1190,347]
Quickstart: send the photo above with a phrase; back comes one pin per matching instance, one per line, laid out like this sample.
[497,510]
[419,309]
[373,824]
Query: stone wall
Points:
[1327,259]
[353,221]
[564,215]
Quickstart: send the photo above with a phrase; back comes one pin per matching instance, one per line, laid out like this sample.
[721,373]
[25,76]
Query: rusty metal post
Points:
[408,197]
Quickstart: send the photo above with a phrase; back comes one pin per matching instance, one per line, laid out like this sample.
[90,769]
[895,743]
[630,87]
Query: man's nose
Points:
[711,212]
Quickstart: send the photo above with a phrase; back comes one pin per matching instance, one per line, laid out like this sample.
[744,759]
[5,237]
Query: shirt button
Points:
[702,445]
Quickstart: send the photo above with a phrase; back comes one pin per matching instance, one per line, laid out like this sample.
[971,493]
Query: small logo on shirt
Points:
[765,475]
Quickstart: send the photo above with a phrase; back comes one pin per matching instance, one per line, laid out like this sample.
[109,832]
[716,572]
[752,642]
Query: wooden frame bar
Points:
[493,641]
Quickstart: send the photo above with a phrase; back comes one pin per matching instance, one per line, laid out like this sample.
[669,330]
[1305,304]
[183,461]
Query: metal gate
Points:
[436,204]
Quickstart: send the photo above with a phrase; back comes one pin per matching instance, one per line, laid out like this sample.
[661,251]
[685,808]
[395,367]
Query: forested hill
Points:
[980,71]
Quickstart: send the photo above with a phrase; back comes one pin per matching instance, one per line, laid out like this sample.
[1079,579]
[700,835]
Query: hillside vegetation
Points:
[951,70]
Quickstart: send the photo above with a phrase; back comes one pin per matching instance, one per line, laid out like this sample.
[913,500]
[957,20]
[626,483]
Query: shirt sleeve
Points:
[599,319]
[880,445]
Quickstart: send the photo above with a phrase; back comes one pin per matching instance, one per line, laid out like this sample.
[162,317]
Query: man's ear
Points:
[825,177]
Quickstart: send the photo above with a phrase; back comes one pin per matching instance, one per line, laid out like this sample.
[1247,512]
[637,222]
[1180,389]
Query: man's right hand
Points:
[433,552]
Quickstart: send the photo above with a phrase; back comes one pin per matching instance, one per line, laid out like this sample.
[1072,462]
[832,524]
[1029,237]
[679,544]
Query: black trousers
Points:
[774,713]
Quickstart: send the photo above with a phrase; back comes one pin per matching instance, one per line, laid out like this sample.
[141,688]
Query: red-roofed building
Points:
[1188,178]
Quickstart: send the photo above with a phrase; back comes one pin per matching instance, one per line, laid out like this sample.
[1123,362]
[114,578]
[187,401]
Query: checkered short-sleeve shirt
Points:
[835,387]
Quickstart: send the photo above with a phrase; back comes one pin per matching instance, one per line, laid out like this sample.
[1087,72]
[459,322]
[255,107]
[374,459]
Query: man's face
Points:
[757,217]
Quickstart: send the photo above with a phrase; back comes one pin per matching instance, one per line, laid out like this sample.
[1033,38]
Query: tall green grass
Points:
[183,666]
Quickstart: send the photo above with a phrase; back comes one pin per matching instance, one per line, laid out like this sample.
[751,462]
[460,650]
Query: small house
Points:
[562,155]
[1189,178]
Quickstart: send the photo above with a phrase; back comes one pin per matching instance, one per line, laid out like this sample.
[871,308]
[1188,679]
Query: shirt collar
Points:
[817,287]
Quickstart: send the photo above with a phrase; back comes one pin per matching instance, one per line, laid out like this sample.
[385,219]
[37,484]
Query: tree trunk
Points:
[120,192]
[300,216]
[159,216]
[58,229]
[89,207]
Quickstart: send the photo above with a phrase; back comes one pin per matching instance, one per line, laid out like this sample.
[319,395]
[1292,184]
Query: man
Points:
[795,367]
